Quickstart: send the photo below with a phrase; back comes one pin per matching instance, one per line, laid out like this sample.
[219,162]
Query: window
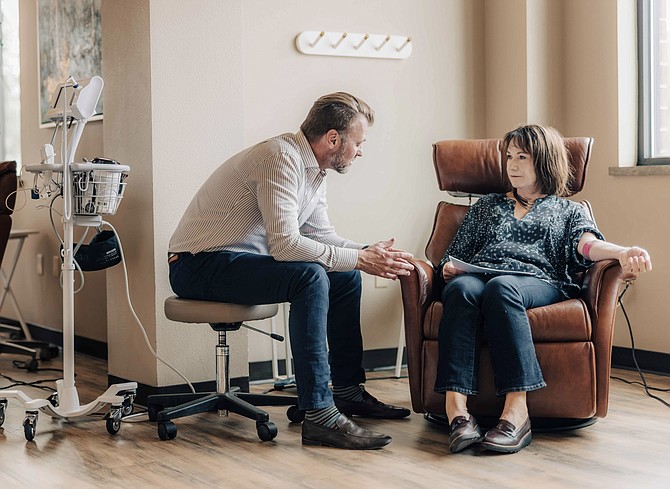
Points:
[10,93]
[654,82]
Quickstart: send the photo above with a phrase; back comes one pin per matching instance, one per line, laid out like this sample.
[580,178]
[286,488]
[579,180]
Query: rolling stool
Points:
[222,317]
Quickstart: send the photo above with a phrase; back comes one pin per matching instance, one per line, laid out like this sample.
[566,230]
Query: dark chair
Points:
[17,343]
[222,317]
[573,338]
[7,201]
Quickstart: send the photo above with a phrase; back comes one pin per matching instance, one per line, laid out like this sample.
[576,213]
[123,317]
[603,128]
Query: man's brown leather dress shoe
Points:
[346,434]
[463,432]
[506,438]
[370,407]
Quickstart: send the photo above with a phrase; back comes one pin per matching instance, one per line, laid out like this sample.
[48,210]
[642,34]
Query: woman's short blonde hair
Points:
[547,148]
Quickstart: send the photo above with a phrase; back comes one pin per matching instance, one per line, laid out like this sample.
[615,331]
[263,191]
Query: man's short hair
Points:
[335,111]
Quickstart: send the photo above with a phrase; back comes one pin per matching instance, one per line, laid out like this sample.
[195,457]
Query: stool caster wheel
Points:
[33,365]
[167,430]
[295,415]
[266,430]
[153,410]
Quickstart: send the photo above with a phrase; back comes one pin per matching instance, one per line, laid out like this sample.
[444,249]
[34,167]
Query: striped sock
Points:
[350,393]
[325,416]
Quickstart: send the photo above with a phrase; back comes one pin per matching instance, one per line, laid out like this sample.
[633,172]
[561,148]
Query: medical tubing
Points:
[137,320]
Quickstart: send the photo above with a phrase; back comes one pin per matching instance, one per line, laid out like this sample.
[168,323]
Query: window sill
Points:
[638,171]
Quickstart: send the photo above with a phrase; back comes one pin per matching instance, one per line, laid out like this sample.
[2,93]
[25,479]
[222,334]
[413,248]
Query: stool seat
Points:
[197,311]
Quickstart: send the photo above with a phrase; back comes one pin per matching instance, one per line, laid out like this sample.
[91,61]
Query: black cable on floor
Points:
[632,349]
[24,366]
[35,383]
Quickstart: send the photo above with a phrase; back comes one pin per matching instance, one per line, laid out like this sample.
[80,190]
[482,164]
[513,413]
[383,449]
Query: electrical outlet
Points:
[40,264]
[381,283]
[55,266]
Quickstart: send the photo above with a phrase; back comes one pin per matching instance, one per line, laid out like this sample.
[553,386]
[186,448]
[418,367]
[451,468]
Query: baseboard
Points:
[258,371]
[144,390]
[87,346]
[649,361]
[372,360]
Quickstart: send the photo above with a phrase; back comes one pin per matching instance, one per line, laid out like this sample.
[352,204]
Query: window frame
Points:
[645,44]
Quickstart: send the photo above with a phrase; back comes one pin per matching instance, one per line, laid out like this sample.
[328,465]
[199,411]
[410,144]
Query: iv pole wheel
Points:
[53,399]
[113,419]
[3,407]
[128,403]
[29,425]
[167,430]
[113,425]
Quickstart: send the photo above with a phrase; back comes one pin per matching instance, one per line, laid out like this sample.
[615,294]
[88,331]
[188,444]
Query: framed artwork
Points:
[69,44]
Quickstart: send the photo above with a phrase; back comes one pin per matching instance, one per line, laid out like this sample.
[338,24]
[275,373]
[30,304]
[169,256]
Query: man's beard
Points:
[338,163]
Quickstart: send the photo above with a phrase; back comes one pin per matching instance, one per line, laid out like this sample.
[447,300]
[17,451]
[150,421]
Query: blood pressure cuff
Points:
[102,252]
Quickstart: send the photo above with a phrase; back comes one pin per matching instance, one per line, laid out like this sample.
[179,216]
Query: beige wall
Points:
[227,75]
[39,296]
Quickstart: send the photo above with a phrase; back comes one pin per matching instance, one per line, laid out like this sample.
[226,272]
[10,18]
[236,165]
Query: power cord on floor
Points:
[647,388]
[25,366]
[35,383]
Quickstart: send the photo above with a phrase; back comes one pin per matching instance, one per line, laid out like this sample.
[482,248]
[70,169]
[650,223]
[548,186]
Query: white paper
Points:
[467,267]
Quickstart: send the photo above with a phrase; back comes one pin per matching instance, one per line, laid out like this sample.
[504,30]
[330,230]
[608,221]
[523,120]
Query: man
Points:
[257,232]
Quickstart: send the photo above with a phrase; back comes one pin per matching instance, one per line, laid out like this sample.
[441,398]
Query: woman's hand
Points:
[449,271]
[635,260]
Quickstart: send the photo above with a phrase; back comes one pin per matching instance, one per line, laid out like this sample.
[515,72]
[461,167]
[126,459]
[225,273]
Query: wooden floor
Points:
[628,448]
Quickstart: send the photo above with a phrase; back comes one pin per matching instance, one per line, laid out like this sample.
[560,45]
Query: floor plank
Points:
[628,448]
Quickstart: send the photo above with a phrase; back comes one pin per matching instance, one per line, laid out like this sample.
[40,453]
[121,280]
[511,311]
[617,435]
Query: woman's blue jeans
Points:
[324,320]
[476,304]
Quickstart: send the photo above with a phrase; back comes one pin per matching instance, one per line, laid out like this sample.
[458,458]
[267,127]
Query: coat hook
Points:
[365,38]
[339,41]
[388,38]
[319,37]
[407,41]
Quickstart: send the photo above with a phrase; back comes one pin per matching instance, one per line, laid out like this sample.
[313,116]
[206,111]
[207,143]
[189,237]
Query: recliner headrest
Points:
[475,166]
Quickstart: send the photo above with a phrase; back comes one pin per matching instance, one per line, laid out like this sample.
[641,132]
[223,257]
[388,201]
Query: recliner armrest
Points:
[417,294]
[600,290]
[593,286]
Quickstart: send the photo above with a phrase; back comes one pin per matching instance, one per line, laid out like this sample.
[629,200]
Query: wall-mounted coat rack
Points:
[354,44]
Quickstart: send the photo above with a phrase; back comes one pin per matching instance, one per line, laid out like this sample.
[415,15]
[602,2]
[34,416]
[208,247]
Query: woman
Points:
[539,241]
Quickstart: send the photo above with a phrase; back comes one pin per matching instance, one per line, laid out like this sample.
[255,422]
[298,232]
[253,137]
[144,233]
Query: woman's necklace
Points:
[525,203]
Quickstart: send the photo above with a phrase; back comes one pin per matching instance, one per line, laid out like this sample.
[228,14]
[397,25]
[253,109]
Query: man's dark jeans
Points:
[496,306]
[324,315]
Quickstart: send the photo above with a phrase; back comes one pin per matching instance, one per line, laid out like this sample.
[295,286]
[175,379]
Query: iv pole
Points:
[65,402]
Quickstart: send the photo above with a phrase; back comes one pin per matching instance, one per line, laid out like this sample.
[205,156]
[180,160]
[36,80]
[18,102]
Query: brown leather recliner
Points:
[573,338]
